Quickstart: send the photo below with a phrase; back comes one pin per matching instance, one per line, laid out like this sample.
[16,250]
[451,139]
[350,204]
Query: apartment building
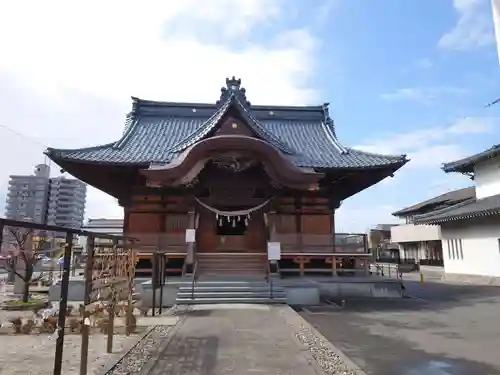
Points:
[39,198]
[27,195]
[66,202]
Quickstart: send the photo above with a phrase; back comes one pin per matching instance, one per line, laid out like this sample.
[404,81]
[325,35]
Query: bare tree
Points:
[25,247]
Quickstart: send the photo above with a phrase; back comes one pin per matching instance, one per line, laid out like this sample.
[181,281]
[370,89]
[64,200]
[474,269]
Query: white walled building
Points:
[470,230]
[422,242]
[106,226]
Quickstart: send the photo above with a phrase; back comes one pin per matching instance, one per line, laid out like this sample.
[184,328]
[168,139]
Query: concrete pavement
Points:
[232,339]
[448,329]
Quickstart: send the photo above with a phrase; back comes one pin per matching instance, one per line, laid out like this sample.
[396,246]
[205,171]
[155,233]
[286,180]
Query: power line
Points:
[29,139]
[23,135]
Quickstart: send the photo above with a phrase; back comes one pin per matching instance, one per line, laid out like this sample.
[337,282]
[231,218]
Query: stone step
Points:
[249,300]
[221,294]
[227,289]
[227,280]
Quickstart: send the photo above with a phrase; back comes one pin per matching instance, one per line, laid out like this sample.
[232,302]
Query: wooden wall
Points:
[304,215]
[151,215]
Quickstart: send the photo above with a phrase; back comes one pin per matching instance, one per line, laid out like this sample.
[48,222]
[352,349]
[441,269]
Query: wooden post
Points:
[89,266]
[112,301]
[298,223]
[131,271]
[334,242]
[63,305]
[190,246]
[154,277]
[302,265]
[334,266]
[161,275]
[1,234]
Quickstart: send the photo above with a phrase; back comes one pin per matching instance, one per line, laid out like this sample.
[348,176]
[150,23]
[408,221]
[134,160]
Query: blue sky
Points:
[401,76]
[410,77]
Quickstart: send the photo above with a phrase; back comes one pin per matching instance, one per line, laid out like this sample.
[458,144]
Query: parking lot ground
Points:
[444,329]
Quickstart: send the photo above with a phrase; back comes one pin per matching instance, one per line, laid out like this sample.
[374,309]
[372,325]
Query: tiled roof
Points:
[157,132]
[444,200]
[466,165]
[466,210]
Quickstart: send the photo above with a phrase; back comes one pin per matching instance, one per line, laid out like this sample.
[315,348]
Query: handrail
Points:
[193,279]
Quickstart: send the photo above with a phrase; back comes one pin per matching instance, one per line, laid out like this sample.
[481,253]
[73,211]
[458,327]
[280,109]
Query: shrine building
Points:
[213,185]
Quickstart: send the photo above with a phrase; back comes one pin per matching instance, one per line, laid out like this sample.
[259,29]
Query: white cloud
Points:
[430,147]
[473,28]
[422,95]
[68,69]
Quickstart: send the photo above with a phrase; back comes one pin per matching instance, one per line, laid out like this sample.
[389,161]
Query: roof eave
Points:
[459,168]
[61,159]
[392,167]
[445,219]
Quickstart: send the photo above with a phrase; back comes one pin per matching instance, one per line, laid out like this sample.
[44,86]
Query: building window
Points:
[455,249]
[460,249]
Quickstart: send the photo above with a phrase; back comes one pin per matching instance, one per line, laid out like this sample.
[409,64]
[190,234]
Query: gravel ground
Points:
[329,361]
[142,353]
[34,354]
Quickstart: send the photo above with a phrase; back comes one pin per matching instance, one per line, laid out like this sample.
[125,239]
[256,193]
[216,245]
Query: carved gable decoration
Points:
[233,162]
[233,126]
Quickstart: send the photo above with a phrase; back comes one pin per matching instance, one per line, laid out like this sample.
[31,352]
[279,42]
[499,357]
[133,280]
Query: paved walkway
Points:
[222,340]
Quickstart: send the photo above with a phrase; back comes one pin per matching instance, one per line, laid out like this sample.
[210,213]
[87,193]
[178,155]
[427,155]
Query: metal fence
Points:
[109,272]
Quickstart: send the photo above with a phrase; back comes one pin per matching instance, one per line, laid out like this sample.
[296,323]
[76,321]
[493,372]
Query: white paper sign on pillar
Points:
[273,251]
[190,235]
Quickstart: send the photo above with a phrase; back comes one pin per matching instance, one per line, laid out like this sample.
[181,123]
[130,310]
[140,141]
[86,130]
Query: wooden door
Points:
[254,240]
[256,234]
[206,238]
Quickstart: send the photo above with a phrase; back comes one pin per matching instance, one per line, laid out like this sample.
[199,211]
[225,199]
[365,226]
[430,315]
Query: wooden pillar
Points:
[298,223]
[334,204]
[190,246]
[333,230]
[126,219]
[302,266]
[272,226]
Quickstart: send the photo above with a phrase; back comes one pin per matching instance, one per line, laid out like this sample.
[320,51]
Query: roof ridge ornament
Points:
[233,87]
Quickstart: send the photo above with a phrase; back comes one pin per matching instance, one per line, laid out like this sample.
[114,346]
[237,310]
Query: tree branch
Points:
[10,269]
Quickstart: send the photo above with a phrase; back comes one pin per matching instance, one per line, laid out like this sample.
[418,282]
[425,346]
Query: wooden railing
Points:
[290,243]
[321,243]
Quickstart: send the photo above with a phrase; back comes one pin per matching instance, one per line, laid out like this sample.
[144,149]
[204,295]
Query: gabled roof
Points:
[466,165]
[468,209]
[157,132]
[444,200]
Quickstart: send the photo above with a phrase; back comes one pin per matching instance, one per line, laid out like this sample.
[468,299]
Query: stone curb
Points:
[161,348]
[296,322]
[303,348]
[112,362]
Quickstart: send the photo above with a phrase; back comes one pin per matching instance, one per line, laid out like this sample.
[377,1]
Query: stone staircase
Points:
[218,264]
[230,278]
[230,290]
